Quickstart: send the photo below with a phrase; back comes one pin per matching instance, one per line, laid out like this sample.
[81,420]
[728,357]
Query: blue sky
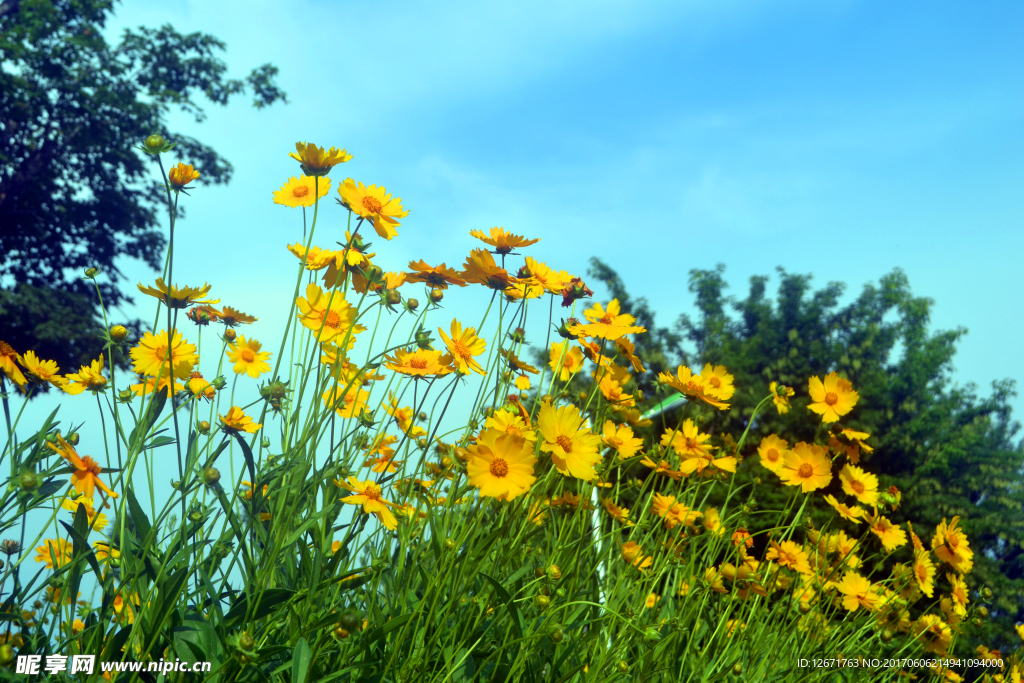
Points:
[842,139]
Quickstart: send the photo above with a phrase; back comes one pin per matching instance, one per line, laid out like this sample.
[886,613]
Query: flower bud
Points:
[246,642]
[554,573]
[652,635]
[229,335]
[350,620]
[423,339]
[366,418]
[6,653]
[422,442]
[211,475]
[29,481]
[73,438]
[622,666]
[392,297]
[436,295]
[446,462]
[804,607]
[155,144]
[196,515]
[340,633]
[265,443]
[91,273]
[125,396]
[542,601]
[539,572]
[983,611]
[518,335]
[563,329]
[118,333]
[413,304]
[204,427]
[449,543]
[737,669]
[886,636]
[986,593]
[557,635]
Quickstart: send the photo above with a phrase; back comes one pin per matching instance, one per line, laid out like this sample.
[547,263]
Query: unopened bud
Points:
[449,543]
[542,601]
[118,333]
[155,144]
[986,593]
[91,273]
[204,427]
[557,635]
[265,443]
[29,481]
[983,611]
[622,666]
[554,573]
[246,642]
[737,669]
[413,304]
[125,396]
[392,297]
[436,295]
[886,636]
[211,475]
[73,439]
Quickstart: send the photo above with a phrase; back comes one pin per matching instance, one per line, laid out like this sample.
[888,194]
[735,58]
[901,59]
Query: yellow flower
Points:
[789,554]
[606,324]
[237,421]
[368,494]
[302,191]
[502,240]
[572,447]
[522,383]
[9,367]
[852,442]
[516,364]
[103,551]
[501,465]
[619,514]
[718,381]
[772,451]
[123,608]
[348,404]
[672,512]
[317,162]
[247,357]
[438,277]
[713,577]
[854,514]
[632,552]
[462,346]
[780,397]
[508,422]
[154,356]
[90,512]
[42,371]
[807,466]
[565,361]
[85,478]
[629,351]
[713,521]
[146,386]
[549,280]
[88,377]
[934,633]
[178,297]
[315,258]
[651,601]
[924,572]
[419,363]
[374,204]
[621,439]
[694,387]
[181,175]
[55,552]
[687,441]
[480,268]
[891,535]
[832,398]
[330,316]
[860,484]
[951,546]
[858,592]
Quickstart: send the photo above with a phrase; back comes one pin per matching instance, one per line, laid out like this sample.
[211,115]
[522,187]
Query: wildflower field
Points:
[353,522]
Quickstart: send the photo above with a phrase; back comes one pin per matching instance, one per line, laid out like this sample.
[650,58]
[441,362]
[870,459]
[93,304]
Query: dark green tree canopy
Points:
[75,192]
[948,450]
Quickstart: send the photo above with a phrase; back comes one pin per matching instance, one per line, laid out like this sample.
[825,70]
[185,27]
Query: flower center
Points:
[922,573]
[606,320]
[372,205]
[806,470]
[418,363]
[565,443]
[567,363]
[460,349]
[372,491]
[857,486]
[715,382]
[300,191]
[831,398]
[332,320]
[772,454]
[691,443]
[499,467]
[91,465]
[248,356]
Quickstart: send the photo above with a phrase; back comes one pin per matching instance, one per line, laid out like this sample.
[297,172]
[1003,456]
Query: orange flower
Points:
[9,367]
[463,345]
[632,552]
[231,317]
[181,175]
[419,363]
[317,162]
[516,364]
[237,421]
[480,268]
[503,241]
[85,478]
[435,276]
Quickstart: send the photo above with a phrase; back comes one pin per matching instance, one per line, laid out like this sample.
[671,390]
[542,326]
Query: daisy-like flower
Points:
[155,356]
[632,552]
[573,449]
[199,387]
[781,396]
[951,546]
[7,364]
[147,385]
[959,594]
[852,442]
[419,363]
[329,315]
[374,204]
[315,258]
[42,371]
[181,175]
[515,363]
[236,421]
[369,495]
[463,345]
[88,377]
[672,512]
[55,552]
[619,398]
[853,514]
[662,467]
[832,398]
[772,450]
[317,162]
[858,592]
[564,360]
[104,552]
[619,514]
[302,191]
[85,478]
[924,572]
[552,282]
[789,554]
[860,484]
[807,466]
[232,317]
[438,277]
[621,439]
[687,441]
[889,534]
[96,522]
[694,387]
[501,465]
[718,381]
[507,422]
[934,633]
[503,241]
[347,403]
[522,383]
[628,351]
[179,297]
[606,324]
[247,357]
[480,268]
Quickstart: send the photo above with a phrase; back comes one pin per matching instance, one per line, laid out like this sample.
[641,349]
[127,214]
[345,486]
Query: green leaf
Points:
[510,605]
[270,598]
[142,526]
[300,661]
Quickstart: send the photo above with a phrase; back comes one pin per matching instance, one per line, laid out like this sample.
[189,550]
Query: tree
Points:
[74,191]
[949,451]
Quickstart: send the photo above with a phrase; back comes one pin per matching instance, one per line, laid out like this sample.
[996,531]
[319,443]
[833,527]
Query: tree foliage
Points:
[949,450]
[73,188]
